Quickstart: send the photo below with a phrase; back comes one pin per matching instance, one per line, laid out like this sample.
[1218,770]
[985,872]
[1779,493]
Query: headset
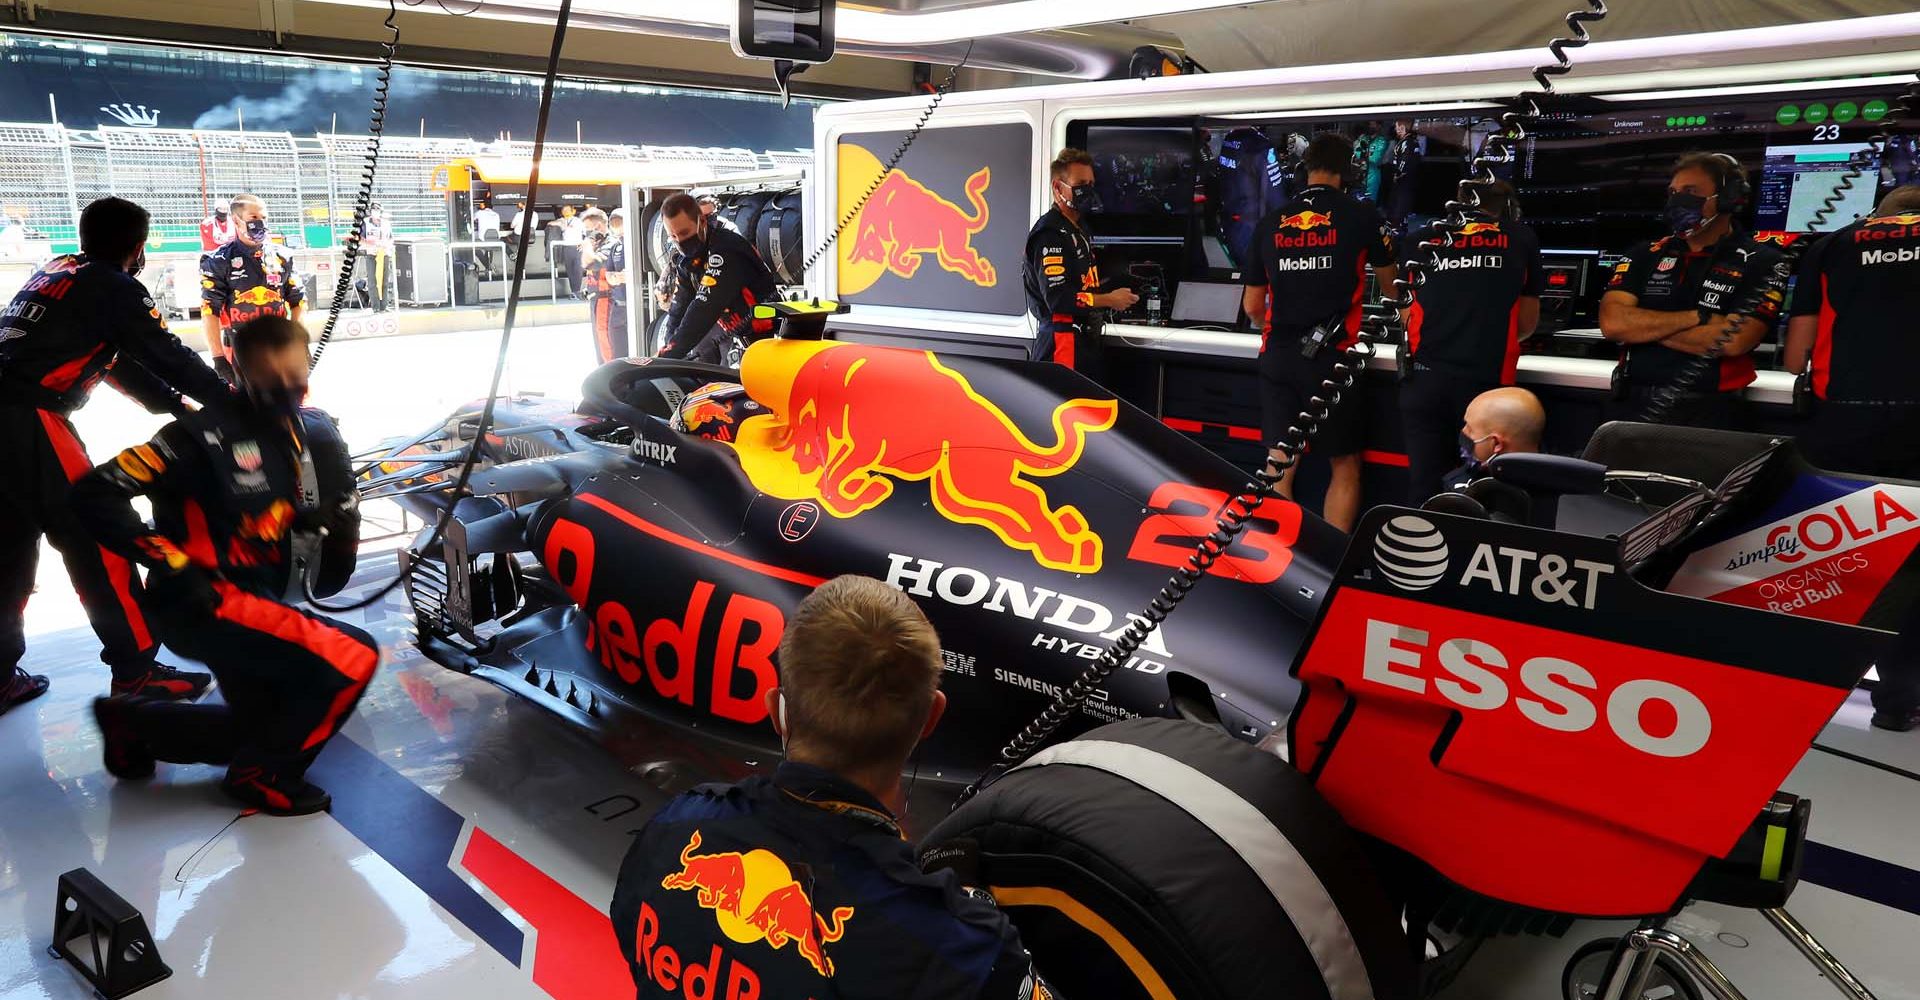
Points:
[1731,182]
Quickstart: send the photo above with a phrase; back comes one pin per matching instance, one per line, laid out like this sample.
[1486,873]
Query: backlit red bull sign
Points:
[946,229]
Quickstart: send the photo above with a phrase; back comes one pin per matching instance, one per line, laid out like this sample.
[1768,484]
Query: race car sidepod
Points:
[1160,858]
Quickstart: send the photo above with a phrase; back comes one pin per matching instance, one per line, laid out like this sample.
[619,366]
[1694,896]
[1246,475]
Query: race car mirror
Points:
[1548,473]
[804,319]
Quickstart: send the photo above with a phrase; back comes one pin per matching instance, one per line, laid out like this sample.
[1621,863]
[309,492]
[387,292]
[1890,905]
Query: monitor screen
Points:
[1207,302]
[1144,173]
[1797,181]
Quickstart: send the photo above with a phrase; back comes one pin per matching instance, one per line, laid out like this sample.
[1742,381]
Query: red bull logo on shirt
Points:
[840,436]
[1305,223]
[754,898]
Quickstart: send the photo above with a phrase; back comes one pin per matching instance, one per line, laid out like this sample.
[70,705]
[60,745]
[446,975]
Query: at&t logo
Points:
[1411,552]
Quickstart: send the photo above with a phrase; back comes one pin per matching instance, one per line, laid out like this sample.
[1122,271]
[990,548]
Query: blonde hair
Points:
[859,664]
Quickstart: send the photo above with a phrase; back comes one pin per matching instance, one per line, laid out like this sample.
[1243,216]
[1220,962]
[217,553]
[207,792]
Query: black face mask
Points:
[220,213]
[1467,457]
[695,245]
[257,230]
[1685,212]
[1085,200]
[273,401]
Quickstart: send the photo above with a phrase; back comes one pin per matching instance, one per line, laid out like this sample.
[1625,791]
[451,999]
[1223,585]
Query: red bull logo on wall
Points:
[841,436]
[755,898]
[945,229]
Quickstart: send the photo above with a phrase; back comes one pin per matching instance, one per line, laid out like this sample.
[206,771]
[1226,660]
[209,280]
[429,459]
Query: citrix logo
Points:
[662,453]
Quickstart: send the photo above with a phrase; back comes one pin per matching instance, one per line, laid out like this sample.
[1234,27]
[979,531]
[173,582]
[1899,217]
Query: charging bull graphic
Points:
[904,220]
[782,912]
[841,436]
[718,878]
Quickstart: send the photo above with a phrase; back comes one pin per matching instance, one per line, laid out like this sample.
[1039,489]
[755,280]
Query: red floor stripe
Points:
[1234,431]
[575,953]
[638,523]
[1385,458]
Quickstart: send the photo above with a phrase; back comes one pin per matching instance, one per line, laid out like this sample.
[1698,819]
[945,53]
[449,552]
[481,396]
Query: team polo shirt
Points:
[1465,318]
[1668,275]
[1863,282]
[1312,256]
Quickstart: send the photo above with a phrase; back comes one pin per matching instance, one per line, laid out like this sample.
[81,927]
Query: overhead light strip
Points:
[1375,109]
[1761,88]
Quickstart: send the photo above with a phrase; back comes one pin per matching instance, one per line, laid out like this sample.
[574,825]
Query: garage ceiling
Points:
[1006,42]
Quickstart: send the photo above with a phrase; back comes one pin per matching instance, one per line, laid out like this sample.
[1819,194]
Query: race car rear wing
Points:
[1509,705]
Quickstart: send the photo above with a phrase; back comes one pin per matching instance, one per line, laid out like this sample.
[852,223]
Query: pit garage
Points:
[510,570]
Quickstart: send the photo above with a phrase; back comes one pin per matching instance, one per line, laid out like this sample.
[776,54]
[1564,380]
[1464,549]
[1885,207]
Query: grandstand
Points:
[49,172]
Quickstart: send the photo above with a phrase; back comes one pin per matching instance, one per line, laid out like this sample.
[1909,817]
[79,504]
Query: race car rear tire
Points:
[1159,857]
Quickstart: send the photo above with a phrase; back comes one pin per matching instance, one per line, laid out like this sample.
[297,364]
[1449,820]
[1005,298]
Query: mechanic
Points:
[831,869]
[718,279]
[217,230]
[1062,279]
[1852,330]
[1504,421]
[1305,259]
[1668,302]
[614,271]
[594,248]
[376,249]
[80,319]
[247,278]
[1464,329]
[567,235]
[224,483]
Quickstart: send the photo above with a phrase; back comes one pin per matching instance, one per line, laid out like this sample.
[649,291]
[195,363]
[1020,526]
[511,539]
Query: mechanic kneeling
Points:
[224,484]
[718,278]
[1853,330]
[801,884]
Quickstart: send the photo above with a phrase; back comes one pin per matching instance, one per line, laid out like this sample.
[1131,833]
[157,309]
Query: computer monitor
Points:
[1213,302]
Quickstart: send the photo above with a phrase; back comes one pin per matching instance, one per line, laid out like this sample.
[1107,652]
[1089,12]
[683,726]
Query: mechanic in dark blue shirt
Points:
[802,884]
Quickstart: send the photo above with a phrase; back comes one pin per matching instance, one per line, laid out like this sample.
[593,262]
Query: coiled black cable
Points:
[363,199]
[1238,511]
[1668,396]
[506,330]
[939,94]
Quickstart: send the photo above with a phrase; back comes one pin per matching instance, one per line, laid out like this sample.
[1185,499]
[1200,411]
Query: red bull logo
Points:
[850,420]
[904,221]
[1895,220]
[258,296]
[1472,228]
[755,898]
[1306,220]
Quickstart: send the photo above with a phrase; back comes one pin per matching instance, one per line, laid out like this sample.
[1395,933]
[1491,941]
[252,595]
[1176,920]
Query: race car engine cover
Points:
[1162,858]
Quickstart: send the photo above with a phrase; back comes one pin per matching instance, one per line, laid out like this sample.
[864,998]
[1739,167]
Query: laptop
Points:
[1207,303]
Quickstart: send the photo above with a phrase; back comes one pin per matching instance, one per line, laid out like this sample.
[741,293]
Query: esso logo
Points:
[1411,553]
[1553,693]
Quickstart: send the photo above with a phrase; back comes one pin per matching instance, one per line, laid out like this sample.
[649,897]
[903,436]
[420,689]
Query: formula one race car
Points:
[1588,719]
[1029,511]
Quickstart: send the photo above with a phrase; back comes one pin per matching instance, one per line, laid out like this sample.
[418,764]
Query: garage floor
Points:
[474,838]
